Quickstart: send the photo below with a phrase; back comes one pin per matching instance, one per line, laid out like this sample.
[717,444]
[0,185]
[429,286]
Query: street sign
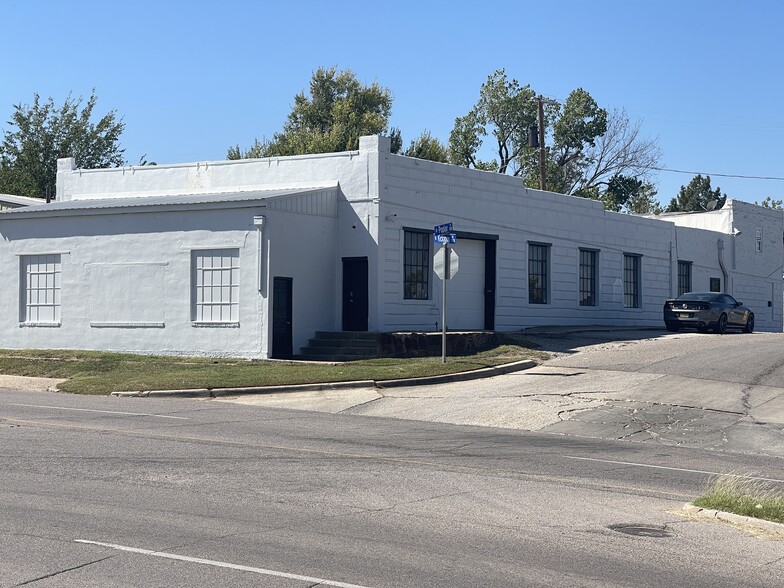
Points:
[444,269]
[442,229]
[447,238]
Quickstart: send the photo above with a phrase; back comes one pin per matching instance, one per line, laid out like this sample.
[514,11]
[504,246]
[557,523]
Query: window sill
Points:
[126,325]
[45,325]
[216,325]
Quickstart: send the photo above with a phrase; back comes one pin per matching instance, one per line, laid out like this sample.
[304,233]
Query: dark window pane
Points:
[538,265]
[588,278]
[416,265]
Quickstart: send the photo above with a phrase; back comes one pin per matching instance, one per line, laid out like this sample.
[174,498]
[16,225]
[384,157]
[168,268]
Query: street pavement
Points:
[103,492]
[689,389]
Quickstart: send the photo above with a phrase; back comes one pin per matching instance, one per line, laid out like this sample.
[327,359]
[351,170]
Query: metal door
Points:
[281,317]
[355,294]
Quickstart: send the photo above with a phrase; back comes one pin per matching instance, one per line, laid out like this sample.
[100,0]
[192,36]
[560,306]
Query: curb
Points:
[443,379]
[735,519]
[218,392]
[459,376]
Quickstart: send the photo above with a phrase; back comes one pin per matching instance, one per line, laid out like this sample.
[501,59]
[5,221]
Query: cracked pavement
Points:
[687,389]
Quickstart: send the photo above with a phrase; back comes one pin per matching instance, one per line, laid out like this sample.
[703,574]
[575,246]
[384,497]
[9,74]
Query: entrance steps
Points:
[340,346]
[352,345]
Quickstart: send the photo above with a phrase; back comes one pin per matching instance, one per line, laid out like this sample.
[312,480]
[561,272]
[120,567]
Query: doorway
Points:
[282,318]
[355,293]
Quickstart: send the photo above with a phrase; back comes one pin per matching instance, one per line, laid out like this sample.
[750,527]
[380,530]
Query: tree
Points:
[578,125]
[338,111]
[696,196]
[626,194]
[428,147]
[41,133]
[588,146]
[508,110]
[618,151]
[644,201]
[769,202]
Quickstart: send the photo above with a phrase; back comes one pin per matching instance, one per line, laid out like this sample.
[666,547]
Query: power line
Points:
[693,173]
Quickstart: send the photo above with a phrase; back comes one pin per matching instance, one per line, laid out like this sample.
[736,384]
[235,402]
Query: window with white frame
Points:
[215,286]
[40,289]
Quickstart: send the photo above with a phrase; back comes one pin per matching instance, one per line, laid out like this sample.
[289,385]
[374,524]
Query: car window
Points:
[728,300]
[702,297]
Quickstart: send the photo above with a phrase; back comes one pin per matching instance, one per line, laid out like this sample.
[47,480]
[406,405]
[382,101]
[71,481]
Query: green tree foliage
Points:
[696,196]
[625,194]
[41,132]
[644,201]
[506,110]
[769,202]
[580,122]
[337,112]
[587,147]
[428,147]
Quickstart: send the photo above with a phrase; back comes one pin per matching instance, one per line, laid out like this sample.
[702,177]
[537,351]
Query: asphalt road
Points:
[99,491]
[687,389]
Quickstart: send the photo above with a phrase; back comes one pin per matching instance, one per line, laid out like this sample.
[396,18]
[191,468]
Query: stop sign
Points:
[445,267]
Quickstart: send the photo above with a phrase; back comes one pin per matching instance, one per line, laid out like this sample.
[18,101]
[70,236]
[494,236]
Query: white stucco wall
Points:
[753,240]
[421,194]
[126,273]
[126,278]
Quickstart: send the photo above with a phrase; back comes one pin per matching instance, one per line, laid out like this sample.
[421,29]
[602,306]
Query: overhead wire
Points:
[744,177]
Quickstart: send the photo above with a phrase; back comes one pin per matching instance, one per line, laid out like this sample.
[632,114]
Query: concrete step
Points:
[369,344]
[352,335]
[340,346]
[337,350]
[306,357]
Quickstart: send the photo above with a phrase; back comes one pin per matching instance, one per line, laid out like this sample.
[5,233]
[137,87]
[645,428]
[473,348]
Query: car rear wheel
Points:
[721,325]
[749,328]
[671,327]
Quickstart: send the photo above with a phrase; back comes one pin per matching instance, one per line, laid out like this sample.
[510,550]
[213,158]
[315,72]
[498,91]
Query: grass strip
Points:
[751,498]
[91,372]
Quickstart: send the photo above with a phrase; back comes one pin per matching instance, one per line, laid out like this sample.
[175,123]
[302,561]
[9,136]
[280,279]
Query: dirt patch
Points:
[28,384]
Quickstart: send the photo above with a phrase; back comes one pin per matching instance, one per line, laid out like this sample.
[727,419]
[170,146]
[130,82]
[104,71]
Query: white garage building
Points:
[250,258]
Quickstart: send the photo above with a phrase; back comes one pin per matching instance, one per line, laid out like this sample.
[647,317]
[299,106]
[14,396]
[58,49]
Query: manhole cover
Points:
[642,530]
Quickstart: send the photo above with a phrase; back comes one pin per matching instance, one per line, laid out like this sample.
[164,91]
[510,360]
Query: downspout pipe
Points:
[723,267]
[259,222]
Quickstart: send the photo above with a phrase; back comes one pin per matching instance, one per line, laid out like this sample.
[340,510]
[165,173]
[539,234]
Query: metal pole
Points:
[443,303]
[542,175]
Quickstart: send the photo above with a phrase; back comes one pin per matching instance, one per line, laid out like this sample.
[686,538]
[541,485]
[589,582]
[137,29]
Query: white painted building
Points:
[249,258]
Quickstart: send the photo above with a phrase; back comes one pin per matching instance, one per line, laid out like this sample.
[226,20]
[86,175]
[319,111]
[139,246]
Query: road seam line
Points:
[221,564]
[658,467]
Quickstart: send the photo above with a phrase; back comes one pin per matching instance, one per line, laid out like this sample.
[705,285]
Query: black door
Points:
[281,318]
[355,294]
[489,285]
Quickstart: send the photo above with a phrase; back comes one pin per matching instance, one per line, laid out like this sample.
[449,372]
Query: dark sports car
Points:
[707,310]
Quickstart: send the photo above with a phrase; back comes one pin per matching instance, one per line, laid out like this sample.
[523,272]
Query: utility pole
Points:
[540,120]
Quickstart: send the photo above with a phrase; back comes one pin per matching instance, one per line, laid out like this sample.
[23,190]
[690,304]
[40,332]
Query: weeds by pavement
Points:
[743,496]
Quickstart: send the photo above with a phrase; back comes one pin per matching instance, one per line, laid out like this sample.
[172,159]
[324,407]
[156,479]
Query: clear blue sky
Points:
[192,78]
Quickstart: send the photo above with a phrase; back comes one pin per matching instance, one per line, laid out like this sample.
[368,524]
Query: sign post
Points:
[445,266]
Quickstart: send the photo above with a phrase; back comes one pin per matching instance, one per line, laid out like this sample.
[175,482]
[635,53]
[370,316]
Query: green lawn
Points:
[90,372]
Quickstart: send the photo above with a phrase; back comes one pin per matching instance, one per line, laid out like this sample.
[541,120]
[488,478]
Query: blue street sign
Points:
[442,229]
[450,238]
